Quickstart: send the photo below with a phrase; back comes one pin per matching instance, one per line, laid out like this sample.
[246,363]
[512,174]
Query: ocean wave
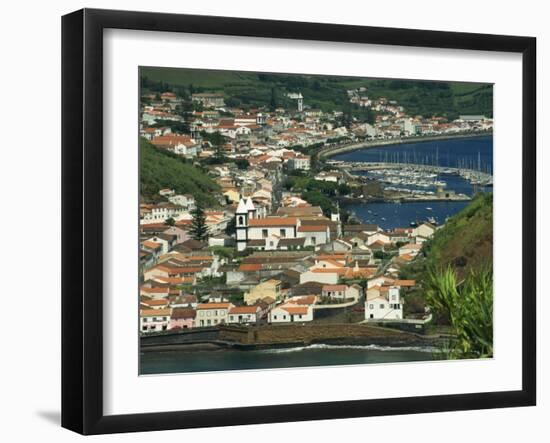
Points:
[428,349]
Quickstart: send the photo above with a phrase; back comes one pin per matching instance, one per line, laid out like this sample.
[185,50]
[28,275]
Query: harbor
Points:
[423,182]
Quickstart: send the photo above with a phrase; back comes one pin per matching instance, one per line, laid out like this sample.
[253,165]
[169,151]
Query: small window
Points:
[381,306]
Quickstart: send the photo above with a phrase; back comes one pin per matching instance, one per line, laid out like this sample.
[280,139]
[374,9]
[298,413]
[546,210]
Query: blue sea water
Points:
[314,355]
[469,152]
[473,153]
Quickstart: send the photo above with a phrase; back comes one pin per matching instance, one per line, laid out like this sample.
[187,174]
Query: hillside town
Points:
[265,254]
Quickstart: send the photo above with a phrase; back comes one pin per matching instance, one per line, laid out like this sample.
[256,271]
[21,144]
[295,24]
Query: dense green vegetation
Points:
[466,240]
[316,192]
[428,98]
[455,268]
[249,89]
[468,304]
[162,169]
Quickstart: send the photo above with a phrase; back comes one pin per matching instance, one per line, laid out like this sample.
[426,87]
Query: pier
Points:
[475,177]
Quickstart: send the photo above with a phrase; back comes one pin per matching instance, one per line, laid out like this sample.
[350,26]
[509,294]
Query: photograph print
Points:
[293,220]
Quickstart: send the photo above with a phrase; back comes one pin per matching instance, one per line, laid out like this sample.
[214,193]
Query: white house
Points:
[326,276]
[160,212]
[186,201]
[290,312]
[378,236]
[263,228]
[154,320]
[341,292]
[302,162]
[384,304]
[426,230]
[314,235]
[244,314]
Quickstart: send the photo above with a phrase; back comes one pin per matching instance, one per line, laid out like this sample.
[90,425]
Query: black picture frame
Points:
[82,218]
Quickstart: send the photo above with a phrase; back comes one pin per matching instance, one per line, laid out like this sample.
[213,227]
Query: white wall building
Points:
[244,315]
[290,313]
[302,162]
[326,276]
[212,314]
[424,230]
[386,306]
[154,320]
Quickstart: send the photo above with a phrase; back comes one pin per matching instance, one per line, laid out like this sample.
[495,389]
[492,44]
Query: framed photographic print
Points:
[270,221]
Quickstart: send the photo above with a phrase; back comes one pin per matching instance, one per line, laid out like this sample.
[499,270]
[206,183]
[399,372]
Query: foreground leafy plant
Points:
[468,304]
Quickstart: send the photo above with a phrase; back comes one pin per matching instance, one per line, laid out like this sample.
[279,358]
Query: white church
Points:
[254,229]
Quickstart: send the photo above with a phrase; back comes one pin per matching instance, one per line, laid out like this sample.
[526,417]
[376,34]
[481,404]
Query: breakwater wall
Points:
[279,336]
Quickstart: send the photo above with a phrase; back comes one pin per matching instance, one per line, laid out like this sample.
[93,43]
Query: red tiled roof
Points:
[296,310]
[244,310]
[155,312]
[213,305]
[245,267]
[273,221]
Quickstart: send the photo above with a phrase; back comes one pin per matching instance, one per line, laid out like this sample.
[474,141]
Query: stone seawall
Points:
[282,336]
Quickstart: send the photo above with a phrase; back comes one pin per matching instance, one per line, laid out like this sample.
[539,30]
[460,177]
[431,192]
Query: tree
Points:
[231,226]
[199,230]
[242,163]
[170,222]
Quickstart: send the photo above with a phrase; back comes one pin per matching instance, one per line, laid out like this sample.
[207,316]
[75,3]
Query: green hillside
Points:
[461,251]
[466,240]
[325,92]
[160,169]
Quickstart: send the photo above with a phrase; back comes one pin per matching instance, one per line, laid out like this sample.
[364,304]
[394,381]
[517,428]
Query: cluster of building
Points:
[290,260]
[392,121]
[279,282]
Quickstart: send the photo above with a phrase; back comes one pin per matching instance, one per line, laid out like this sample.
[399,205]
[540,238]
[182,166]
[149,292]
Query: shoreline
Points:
[329,152]
[344,342]
[376,336]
